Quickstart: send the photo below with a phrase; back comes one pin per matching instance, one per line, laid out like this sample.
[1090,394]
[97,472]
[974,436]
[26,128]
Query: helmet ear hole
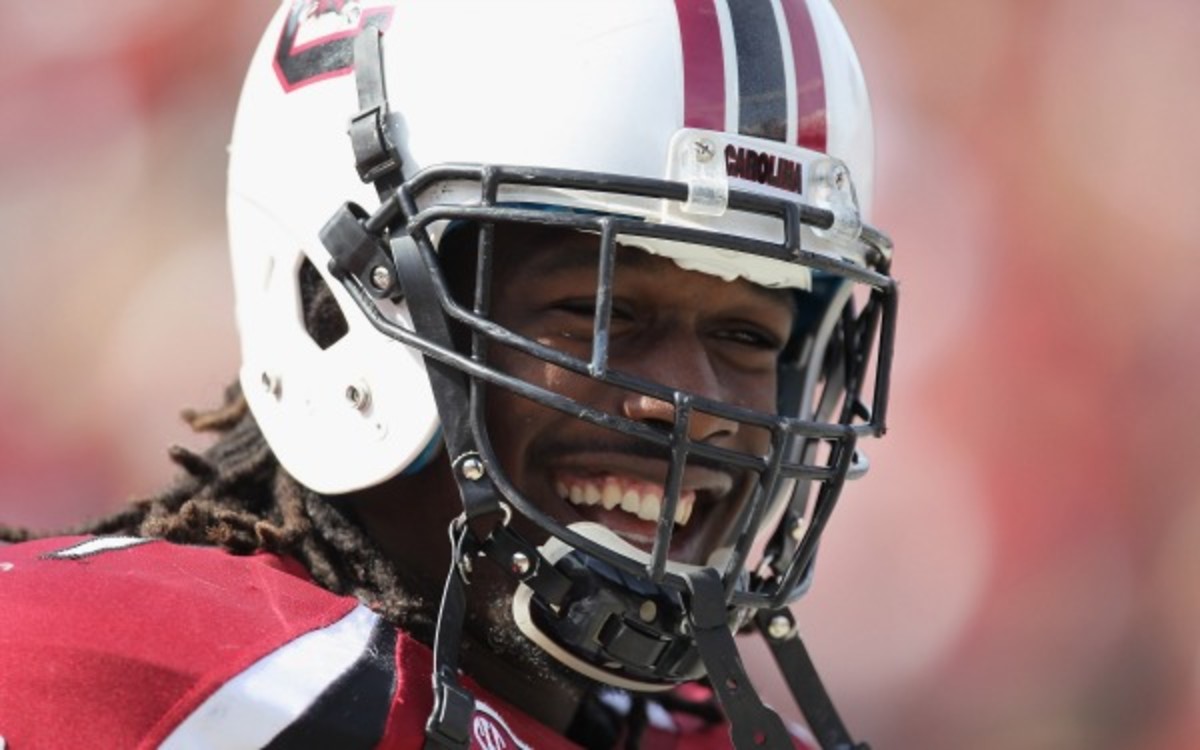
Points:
[458,258]
[323,318]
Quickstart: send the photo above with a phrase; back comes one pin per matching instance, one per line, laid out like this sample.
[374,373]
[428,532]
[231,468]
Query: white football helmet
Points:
[734,137]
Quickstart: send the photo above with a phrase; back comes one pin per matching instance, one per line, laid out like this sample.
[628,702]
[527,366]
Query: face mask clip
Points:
[355,251]
[702,167]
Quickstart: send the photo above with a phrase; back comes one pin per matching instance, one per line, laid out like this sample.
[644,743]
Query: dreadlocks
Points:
[236,496]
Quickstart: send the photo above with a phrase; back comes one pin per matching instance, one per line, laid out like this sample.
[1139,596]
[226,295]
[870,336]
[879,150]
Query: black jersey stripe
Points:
[762,83]
[352,712]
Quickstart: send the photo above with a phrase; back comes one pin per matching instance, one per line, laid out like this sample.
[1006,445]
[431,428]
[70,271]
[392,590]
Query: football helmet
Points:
[734,138]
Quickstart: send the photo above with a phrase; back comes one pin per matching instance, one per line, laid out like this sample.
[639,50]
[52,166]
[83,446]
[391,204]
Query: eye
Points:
[752,337]
[585,307]
[581,306]
[572,318]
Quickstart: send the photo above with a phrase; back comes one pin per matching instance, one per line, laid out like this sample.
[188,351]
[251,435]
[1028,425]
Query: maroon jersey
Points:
[136,643]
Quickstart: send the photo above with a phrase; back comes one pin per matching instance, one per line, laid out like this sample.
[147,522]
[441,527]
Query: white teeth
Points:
[591,494]
[609,495]
[651,505]
[683,511]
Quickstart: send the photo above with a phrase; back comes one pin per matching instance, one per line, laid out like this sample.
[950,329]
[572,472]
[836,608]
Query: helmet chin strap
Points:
[640,628]
[648,637]
[569,604]
[612,627]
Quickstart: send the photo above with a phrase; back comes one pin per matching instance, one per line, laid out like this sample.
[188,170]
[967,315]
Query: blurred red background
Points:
[1020,568]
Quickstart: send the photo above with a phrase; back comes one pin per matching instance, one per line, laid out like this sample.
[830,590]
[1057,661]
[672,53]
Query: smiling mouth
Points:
[637,498]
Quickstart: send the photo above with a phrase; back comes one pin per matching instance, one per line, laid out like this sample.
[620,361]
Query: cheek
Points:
[750,389]
[510,424]
[538,373]
[515,422]
[757,393]
[761,392]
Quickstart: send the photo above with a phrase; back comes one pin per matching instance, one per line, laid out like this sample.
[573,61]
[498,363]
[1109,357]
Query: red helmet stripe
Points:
[810,82]
[703,65]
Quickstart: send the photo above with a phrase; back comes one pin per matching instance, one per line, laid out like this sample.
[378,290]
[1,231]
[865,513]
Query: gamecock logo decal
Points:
[317,41]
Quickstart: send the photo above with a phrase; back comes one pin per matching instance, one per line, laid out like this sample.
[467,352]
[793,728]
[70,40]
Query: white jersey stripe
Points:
[98,545]
[250,709]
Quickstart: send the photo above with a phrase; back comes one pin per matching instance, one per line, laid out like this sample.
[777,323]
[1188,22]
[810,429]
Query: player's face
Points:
[684,329]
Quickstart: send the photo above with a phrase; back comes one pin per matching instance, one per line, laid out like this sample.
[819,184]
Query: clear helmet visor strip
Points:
[812,438]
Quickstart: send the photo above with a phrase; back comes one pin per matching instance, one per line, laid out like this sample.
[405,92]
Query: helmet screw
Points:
[705,150]
[271,384]
[381,277]
[520,563]
[359,396]
[839,178]
[779,627]
[648,611]
[472,468]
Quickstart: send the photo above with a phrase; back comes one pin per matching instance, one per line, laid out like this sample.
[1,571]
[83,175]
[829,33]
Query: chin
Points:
[494,629]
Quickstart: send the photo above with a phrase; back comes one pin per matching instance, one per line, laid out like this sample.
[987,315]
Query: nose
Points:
[702,426]
[683,364]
